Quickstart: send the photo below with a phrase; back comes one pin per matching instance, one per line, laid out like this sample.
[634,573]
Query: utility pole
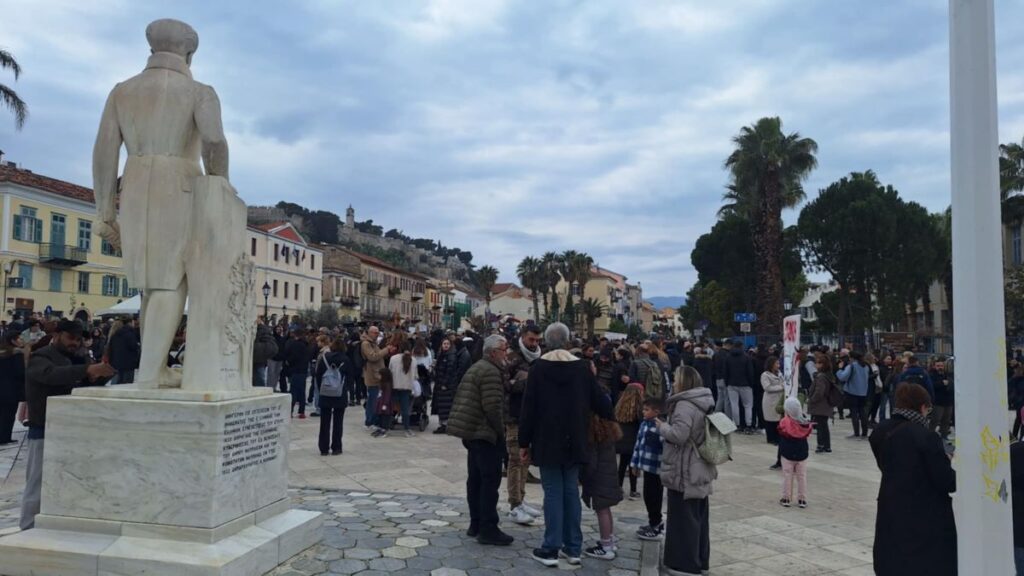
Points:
[983,496]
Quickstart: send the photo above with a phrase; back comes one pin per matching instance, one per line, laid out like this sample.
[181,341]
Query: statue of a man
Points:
[165,120]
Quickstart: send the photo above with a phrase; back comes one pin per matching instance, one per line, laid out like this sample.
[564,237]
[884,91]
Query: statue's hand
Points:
[111,232]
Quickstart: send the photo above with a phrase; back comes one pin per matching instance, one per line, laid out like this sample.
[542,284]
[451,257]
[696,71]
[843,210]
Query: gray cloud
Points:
[513,128]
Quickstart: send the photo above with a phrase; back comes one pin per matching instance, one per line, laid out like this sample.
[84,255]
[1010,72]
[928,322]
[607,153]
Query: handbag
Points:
[417,388]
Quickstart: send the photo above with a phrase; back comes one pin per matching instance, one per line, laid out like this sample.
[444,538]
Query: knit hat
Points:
[794,410]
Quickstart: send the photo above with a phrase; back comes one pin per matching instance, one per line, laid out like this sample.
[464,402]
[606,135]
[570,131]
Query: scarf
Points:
[912,415]
[529,355]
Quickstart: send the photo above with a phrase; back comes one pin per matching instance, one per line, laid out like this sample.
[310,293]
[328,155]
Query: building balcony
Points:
[417,295]
[372,286]
[61,255]
[349,301]
[394,291]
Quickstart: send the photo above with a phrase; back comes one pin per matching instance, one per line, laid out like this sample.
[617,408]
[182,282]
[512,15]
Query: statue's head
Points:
[174,36]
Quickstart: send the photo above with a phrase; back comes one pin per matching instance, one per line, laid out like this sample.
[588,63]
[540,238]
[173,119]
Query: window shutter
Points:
[17,226]
[38,231]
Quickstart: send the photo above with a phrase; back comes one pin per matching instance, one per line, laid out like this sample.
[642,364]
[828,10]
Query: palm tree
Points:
[591,309]
[566,269]
[580,266]
[529,275]
[486,277]
[1011,169]
[767,169]
[10,97]
[550,263]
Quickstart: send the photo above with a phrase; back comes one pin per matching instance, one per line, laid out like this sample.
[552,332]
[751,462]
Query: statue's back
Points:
[156,114]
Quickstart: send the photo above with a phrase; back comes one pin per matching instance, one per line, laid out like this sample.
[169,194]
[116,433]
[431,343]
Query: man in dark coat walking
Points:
[561,395]
[125,350]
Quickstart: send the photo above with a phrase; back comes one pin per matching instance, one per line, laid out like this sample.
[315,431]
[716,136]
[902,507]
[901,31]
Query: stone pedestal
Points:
[163,482]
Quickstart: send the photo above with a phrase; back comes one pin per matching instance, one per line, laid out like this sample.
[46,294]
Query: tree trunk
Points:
[536,310]
[768,251]
[841,315]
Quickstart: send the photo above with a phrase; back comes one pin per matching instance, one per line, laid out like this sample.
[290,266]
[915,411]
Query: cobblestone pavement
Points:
[372,534]
[751,535]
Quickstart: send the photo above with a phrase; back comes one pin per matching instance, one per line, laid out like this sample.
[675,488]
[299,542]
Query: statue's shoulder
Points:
[204,91]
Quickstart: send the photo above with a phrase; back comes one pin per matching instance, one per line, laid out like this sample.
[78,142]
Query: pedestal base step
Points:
[254,550]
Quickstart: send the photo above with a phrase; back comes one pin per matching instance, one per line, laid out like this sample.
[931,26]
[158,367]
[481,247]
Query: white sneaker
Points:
[572,560]
[519,516]
[530,510]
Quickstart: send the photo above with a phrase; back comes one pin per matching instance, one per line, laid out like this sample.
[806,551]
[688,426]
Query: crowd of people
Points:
[589,414]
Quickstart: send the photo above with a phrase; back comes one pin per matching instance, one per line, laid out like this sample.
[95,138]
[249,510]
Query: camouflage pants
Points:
[517,470]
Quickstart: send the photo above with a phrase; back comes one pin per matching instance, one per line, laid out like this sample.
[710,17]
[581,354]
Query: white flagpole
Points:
[983,506]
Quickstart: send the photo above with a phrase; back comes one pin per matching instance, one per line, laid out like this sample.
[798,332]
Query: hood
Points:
[701,357]
[262,330]
[559,356]
[736,352]
[791,428]
[701,397]
[914,370]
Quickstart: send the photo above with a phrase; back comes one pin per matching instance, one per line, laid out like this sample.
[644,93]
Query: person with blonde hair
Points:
[687,476]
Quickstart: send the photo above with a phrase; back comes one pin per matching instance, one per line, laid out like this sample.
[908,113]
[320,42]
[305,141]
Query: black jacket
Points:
[1017,478]
[704,366]
[52,373]
[297,356]
[943,392]
[125,349]
[719,361]
[12,376]
[915,533]
[264,346]
[739,369]
[561,395]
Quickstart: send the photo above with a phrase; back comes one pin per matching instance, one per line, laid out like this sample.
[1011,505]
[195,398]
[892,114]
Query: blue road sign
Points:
[744,317]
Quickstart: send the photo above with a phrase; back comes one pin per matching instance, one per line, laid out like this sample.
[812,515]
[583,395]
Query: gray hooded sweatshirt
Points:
[682,468]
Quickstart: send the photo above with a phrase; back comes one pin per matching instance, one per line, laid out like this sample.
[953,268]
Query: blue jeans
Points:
[405,405]
[372,392]
[297,382]
[563,512]
[259,375]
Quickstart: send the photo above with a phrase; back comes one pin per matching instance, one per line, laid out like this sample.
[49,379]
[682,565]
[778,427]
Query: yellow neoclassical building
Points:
[51,259]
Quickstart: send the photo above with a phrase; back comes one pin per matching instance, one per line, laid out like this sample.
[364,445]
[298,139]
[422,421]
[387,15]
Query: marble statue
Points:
[181,230]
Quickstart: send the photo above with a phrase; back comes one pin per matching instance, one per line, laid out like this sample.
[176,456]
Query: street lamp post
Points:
[266,301]
[983,491]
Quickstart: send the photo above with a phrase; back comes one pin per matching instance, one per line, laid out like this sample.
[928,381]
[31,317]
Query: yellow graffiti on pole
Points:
[994,450]
[991,488]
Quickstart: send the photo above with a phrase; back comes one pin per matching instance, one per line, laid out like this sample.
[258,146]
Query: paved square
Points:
[396,506]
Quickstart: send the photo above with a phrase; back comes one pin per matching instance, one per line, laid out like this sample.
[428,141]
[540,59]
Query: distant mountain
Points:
[667,301]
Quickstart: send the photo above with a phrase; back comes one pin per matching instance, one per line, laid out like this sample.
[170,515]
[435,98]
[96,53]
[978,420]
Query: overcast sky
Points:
[512,128]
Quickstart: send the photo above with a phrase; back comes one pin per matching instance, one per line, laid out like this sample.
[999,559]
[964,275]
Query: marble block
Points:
[164,462]
[257,549]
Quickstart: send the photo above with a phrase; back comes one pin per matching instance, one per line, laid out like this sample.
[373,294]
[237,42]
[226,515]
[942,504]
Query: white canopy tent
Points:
[129,306]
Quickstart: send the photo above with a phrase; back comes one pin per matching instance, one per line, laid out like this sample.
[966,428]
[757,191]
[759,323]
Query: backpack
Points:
[654,381]
[333,383]
[835,394]
[717,446]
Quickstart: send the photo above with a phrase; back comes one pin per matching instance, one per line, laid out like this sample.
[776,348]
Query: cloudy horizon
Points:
[515,128]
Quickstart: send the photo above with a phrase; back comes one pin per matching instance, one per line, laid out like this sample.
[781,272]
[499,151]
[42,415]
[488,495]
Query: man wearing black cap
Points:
[53,370]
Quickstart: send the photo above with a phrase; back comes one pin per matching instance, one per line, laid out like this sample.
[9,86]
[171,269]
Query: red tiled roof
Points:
[282,230]
[502,287]
[46,184]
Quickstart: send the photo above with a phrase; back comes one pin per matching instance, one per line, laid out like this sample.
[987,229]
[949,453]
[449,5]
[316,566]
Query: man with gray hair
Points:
[561,396]
[478,418]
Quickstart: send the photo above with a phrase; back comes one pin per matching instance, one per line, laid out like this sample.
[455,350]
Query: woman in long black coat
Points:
[915,533]
[12,383]
[446,368]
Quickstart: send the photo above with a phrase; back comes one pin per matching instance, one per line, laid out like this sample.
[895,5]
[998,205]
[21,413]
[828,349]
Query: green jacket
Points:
[478,412]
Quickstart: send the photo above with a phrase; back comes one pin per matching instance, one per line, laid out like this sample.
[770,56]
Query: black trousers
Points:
[484,466]
[758,407]
[654,497]
[824,436]
[623,468]
[332,422]
[8,410]
[687,534]
[771,432]
[858,406]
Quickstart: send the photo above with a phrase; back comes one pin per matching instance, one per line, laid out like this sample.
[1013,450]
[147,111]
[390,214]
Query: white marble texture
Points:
[252,551]
[156,462]
[133,392]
